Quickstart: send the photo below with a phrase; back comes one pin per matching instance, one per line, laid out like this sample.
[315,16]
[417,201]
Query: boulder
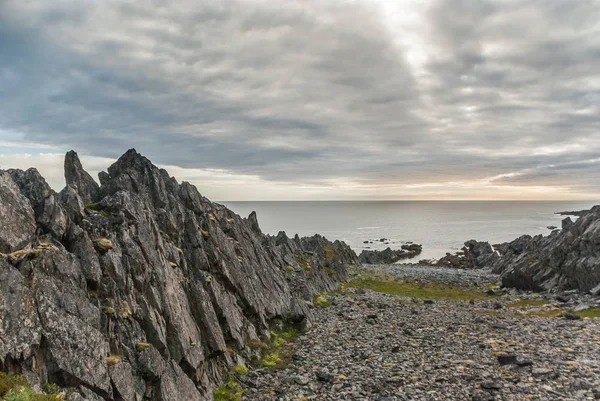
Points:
[567,259]
[17,220]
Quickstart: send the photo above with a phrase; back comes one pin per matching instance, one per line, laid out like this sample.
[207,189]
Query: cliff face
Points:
[565,259]
[84,286]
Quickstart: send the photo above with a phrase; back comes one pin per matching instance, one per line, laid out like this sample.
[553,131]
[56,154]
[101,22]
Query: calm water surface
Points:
[440,226]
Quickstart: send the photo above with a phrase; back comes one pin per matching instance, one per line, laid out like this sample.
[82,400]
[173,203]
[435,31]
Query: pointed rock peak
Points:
[253,220]
[79,179]
[130,160]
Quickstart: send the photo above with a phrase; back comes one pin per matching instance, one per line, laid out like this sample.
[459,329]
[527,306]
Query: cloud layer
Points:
[313,99]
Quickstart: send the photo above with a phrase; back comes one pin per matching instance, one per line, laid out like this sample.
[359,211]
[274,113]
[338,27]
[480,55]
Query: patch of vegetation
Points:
[113,359]
[229,391]
[103,244]
[96,208]
[329,252]
[16,388]
[92,206]
[142,346]
[289,269]
[590,312]
[289,333]
[303,262]
[108,310]
[205,234]
[240,369]
[418,290]
[330,272]
[270,360]
[320,302]
[527,302]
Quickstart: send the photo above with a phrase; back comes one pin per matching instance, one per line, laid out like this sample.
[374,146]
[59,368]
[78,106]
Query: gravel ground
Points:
[373,346]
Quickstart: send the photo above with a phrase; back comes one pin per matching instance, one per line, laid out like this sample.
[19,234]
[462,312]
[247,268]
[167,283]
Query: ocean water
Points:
[440,226]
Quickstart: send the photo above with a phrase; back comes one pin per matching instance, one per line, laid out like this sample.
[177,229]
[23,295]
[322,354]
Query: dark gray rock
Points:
[474,255]
[564,260]
[79,179]
[17,221]
[152,263]
[389,255]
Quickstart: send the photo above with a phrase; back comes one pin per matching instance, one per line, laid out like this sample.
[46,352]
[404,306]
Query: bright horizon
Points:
[255,100]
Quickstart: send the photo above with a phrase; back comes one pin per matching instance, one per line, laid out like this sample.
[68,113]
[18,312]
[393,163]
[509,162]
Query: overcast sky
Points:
[259,100]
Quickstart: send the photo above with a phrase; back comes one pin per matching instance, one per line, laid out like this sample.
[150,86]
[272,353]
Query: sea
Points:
[440,226]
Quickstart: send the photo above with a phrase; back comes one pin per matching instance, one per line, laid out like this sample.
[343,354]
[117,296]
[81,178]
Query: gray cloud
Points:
[310,91]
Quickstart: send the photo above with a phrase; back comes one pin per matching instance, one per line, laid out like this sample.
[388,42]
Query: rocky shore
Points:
[389,255]
[368,345]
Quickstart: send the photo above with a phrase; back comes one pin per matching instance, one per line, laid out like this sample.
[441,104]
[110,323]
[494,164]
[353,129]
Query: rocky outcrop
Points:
[474,255]
[17,221]
[151,293]
[566,259]
[79,179]
[389,255]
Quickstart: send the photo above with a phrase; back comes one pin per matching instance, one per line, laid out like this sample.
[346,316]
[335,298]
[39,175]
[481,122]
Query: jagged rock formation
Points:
[389,255]
[474,255]
[564,260]
[150,292]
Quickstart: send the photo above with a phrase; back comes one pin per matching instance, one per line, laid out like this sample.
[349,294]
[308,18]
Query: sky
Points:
[311,100]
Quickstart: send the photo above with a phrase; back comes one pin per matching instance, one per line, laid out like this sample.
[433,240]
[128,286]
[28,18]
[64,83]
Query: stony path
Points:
[373,346]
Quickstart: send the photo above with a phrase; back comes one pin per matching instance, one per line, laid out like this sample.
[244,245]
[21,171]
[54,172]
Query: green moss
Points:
[320,302]
[240,369]
[417,290]
[289,333]
[303,262]
[590,312]
[329,252]
[289,269]
[92,206]
[229,391]
[330,271]
[527,302]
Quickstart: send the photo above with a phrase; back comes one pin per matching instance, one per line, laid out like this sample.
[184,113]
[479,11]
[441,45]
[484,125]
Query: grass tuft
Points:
[142,346]
[320,302]
[240,369]
[229,391]
[103,244]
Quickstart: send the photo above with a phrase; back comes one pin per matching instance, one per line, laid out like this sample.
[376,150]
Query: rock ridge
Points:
[141,288]
[566,259]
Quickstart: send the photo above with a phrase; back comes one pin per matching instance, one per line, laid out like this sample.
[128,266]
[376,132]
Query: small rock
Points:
[507,359]
[491,385]
[571,316]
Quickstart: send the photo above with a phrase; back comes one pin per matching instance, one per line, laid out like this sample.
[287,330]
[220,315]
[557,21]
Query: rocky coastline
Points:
[141,289]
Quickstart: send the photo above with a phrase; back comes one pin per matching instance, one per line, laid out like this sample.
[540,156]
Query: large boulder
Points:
[566,259]
[17,220]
